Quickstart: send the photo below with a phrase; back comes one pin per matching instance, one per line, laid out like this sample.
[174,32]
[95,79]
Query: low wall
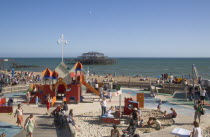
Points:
[134,84]
[17,88]
[149,84]
[71,129]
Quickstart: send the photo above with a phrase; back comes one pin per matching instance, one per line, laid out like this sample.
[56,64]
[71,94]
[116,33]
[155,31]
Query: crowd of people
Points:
[17,78]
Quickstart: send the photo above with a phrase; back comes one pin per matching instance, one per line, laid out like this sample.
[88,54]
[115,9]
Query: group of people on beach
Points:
[199,111]
[195,93]
[18,78]
[136,121]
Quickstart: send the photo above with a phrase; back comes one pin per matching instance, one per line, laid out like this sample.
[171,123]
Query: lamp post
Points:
[62,42]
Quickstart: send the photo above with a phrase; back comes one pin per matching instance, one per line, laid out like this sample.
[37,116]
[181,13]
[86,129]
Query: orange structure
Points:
[80,78]
[88,86]
[140,99]
[47,73]
[43,91]
[70,80]
[54,75]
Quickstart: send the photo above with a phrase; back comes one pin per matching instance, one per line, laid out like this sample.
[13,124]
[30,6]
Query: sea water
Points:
[146,67]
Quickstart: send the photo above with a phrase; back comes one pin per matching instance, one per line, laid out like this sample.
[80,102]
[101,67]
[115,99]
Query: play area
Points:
[64,84]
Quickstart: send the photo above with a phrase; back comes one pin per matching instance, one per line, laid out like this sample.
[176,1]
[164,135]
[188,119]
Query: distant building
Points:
[93,58]
[92,55]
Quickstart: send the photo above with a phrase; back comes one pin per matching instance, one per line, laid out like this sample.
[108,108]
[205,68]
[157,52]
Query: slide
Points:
[82,80]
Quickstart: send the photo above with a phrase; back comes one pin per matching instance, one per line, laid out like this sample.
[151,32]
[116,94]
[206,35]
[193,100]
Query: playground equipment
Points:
[3,107]
[140,99]
[88,86]
[71,80]
[129,105]
[110,120]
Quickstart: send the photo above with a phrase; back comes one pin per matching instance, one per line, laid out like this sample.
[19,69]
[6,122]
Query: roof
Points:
[54,75]
[77,67]
[47,73]
[62,70]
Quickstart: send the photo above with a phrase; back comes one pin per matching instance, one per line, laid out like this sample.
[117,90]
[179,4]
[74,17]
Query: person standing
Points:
[29,125]
[103,106]
[110,95]
[196,130]
[171,78]
[198,110]
[158,82]
[186,89]
[48,102]
[10,102]
[135,115]
[28,97]
[96,85]
[159,105]
[202,95]
[19,114]
[65,107]
[101,93]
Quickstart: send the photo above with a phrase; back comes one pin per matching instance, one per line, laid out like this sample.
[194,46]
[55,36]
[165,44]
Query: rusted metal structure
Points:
[93,58]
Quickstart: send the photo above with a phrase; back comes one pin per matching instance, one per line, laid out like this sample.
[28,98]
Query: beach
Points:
[87,118]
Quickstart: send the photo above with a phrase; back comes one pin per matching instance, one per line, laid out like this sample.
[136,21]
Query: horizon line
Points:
[108,57]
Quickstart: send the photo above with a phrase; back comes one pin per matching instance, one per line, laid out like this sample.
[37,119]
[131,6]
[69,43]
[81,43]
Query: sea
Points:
[145,67]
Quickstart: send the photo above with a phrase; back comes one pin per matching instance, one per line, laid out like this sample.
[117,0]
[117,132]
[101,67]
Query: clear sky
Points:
[118,28]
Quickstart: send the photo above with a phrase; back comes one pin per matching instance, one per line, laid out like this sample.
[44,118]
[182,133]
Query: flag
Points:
[117,93]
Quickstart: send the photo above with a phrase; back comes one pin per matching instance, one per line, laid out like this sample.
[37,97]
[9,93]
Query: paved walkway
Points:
[44,129]
[6,128]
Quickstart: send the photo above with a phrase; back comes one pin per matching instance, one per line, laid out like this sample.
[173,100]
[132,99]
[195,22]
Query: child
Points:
[150,121]
[159,105]
[141,123]
[37,100]
[157,123]
[110,95]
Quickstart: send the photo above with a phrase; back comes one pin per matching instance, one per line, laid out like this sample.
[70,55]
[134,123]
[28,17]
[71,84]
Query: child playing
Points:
[37,100]
[159,105]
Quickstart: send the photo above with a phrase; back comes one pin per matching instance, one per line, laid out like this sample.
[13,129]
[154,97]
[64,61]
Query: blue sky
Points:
[118,28]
